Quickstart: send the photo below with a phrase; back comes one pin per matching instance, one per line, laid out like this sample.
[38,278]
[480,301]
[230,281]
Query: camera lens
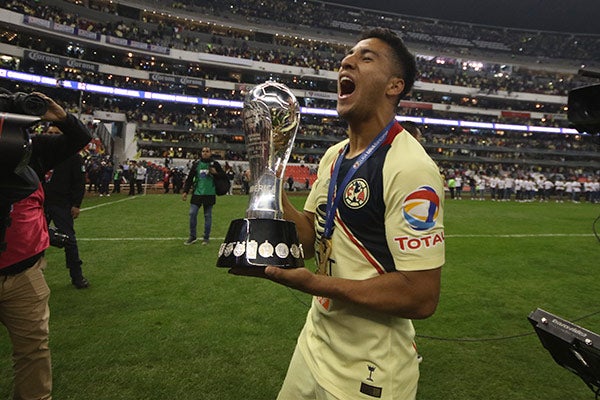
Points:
[30,104]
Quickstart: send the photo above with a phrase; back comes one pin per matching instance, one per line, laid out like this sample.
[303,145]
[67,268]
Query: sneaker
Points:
[190,241]
[204,242]
[80,283]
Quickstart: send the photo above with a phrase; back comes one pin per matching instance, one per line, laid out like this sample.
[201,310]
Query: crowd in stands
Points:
[311,54]
[490,79]
[190,125]
[437,34]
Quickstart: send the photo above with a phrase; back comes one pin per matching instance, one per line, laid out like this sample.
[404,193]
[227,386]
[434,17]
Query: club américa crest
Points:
[356,193]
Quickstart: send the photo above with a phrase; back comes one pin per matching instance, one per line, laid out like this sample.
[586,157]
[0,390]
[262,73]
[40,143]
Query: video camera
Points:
[23,103]
[584,105]
[18,112]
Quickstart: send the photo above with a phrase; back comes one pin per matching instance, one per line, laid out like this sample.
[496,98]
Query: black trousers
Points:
[63,221]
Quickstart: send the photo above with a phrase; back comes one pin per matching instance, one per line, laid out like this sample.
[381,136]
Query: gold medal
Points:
[324,253]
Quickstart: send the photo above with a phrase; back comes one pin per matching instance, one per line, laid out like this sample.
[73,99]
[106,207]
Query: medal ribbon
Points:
[333,200]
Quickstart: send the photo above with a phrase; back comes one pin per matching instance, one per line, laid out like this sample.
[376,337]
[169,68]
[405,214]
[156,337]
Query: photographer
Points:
[24,293]
[64,187]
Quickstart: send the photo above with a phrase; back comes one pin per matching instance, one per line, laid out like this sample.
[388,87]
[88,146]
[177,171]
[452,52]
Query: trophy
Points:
[271,117]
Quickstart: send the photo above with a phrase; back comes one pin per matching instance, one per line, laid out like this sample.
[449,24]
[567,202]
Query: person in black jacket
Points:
[64,187]
[25,293]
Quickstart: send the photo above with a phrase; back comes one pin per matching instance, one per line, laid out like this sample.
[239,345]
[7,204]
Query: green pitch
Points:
[160,321]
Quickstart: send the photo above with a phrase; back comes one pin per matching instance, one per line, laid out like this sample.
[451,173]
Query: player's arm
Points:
[406,294]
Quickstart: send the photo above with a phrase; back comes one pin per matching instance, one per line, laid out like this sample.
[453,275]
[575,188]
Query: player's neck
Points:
[362,133]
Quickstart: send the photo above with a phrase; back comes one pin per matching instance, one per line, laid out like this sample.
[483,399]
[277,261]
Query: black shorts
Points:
[203,199]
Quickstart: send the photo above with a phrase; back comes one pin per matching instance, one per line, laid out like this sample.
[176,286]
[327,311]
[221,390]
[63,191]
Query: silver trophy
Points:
[271,117]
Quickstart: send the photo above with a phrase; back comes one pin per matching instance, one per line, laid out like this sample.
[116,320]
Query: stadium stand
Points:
[165,80]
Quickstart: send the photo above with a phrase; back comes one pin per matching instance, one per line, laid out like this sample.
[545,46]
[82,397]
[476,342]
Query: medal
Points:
[324,253]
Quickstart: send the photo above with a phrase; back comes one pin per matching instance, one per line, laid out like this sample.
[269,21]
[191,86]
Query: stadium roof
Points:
[578,16]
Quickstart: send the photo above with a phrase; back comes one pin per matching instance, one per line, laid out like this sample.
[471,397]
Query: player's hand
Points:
[296,278]
[256,272]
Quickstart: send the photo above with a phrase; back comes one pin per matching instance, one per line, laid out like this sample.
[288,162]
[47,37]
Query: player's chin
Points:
[342,111]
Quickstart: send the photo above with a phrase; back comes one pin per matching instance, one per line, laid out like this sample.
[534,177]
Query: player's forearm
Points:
[392,293]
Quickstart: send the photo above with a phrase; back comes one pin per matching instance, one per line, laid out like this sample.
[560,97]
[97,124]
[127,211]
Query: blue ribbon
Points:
[333,200]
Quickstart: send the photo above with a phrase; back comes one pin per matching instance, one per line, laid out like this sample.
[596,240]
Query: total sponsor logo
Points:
[410,243]
[421,208]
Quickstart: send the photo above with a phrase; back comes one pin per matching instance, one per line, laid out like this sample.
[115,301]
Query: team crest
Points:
[356,193]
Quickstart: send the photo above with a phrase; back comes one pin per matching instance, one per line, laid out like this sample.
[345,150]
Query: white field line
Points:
[513,235]
[107,204]
[517,235]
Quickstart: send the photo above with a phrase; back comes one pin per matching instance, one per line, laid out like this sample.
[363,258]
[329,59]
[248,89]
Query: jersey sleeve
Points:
[414,201]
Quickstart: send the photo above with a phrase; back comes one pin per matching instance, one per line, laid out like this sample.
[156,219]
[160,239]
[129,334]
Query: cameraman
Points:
[23,290]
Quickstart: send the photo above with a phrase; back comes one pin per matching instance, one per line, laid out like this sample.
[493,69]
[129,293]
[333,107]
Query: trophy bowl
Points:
[271,117]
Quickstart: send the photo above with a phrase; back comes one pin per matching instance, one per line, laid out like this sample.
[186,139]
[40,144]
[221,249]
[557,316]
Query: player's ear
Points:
[395,86]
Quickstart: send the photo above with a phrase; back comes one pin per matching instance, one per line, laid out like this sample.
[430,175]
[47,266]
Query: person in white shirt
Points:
[529,189]
[559,189]
[509,183]
[140,178]
[493,187]
[595,191]
[459,186]
[548,185]
[569,189]
[500,192]
[576,191]
[518,189]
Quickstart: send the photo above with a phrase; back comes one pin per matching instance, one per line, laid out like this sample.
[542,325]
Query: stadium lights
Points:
[177,98]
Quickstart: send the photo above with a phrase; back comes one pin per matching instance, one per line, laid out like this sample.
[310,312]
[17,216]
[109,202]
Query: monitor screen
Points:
[573,347]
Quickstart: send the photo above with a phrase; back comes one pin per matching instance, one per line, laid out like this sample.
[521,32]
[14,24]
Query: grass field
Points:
[160,321]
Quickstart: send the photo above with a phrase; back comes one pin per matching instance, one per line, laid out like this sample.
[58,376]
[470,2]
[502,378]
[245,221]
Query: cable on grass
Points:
[491,339]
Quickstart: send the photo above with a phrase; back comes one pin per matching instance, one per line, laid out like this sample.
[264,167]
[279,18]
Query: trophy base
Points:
[261,242]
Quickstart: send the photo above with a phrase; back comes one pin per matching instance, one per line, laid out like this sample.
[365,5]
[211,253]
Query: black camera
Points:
[23,103]
[15,153]
[584,105]
[57,239]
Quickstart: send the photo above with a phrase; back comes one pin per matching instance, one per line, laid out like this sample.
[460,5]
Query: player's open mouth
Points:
[346,87]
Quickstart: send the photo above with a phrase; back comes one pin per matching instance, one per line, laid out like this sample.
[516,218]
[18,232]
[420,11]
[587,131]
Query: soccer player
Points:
[374,221]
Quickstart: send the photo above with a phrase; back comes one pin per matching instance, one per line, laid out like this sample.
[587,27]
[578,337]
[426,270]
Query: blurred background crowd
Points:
[156,82]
